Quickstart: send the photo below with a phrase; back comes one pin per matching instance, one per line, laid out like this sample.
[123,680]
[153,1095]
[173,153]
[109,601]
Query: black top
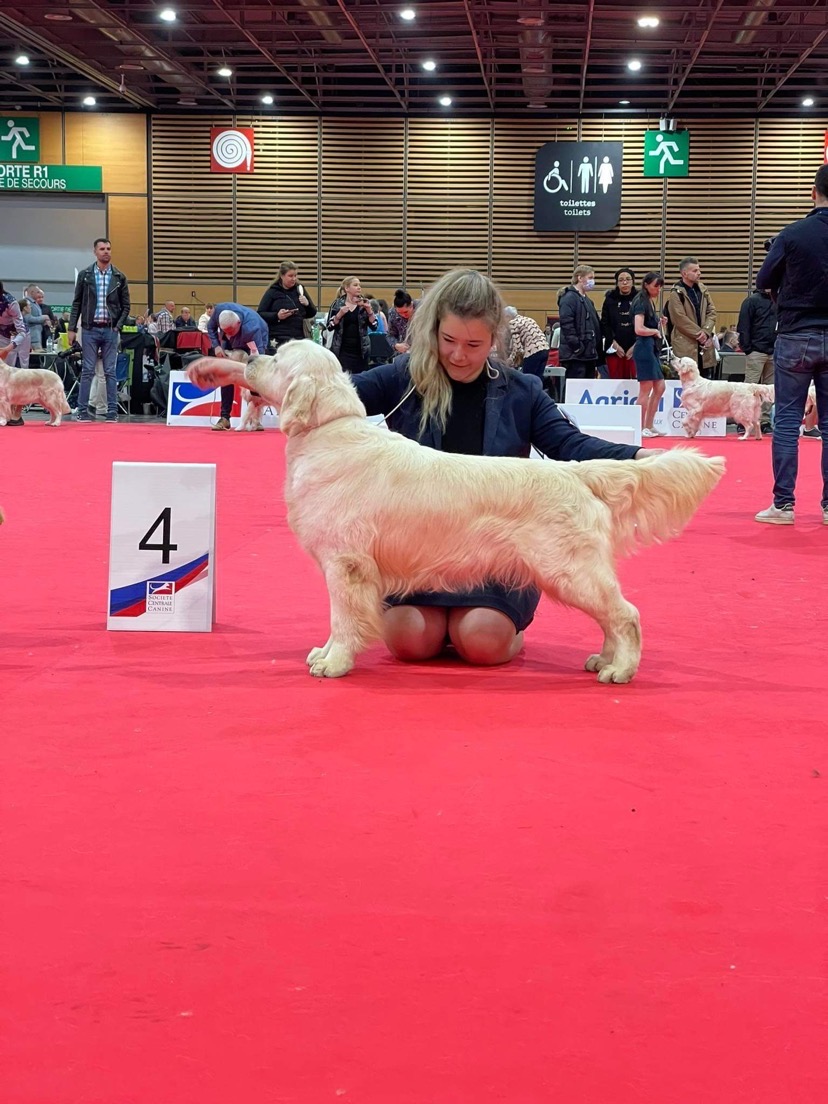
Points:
[350,334]
[695,297]
[643,304]
[796,271]
[617,321]
[464,428]
[757,324]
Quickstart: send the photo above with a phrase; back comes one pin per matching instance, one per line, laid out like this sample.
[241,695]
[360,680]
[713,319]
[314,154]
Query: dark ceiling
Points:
[361,56]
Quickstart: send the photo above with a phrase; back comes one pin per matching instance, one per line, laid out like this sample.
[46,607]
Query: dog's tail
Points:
[652,499]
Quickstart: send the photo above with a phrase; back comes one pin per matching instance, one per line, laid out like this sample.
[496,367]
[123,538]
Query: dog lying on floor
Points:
[21,386]
[384,515]
[703,398]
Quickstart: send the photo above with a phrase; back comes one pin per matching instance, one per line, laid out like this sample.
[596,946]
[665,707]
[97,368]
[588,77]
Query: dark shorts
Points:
[517,604]
[647,364]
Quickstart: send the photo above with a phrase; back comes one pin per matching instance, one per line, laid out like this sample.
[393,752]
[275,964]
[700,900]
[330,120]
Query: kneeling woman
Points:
[645,352]
[449,394]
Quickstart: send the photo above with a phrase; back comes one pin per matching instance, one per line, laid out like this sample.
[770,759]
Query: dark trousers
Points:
[352,364]
[799,358]
[579,369]
[227,399]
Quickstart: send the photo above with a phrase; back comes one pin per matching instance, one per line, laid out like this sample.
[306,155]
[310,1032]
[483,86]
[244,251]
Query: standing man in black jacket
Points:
[285,306]
[757,336]
[102,304]
[582,346]
[796,272]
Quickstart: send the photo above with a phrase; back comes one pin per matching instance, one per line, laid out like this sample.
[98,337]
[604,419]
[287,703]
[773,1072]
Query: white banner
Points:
[188,405]
[162,548]
[671,414]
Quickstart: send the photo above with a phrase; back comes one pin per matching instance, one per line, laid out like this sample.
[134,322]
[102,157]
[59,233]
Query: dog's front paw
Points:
[316,653]
[331,666]
[596,663]
[611,673]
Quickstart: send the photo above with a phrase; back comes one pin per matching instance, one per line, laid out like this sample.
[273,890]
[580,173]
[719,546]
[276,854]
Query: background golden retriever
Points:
[383,515]
[703,398]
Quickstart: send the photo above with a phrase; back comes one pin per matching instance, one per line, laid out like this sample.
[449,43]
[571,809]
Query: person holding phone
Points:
[349,319]
[285,306]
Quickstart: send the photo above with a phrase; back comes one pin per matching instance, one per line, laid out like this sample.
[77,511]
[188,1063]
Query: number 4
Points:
[165,519]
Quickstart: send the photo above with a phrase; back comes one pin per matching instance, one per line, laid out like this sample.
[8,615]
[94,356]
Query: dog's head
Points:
[687,368]
[306,384]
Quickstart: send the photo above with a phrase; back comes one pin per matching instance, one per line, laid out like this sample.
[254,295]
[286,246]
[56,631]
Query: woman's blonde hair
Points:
[346,283]
[464,292]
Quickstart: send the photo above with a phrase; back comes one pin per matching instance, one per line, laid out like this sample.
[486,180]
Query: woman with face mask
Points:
[582,345]
[618,326]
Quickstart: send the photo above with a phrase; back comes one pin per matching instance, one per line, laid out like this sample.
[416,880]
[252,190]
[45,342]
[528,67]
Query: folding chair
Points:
[123,381]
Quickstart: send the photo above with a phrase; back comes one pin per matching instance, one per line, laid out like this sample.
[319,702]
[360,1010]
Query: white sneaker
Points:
[776,515]
[825,515]
[648,432]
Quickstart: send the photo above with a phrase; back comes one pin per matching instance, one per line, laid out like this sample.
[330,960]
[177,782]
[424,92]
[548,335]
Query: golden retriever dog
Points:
[21,386]
[703,398]
[252,417]
[383,515]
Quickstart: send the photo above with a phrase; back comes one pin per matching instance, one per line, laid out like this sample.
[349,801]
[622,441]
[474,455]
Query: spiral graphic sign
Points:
[231,149]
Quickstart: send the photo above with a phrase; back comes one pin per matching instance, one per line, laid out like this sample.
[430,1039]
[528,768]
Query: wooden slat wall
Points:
[278,206]
[789,153]
[193,230]
[361,223]
[448,189]
[708,212]
[400,201]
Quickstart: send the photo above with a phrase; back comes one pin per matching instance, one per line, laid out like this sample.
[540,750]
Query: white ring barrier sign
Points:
[162,548]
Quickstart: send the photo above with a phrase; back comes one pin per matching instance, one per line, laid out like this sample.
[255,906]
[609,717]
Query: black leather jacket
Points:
[276,298]
[86,299]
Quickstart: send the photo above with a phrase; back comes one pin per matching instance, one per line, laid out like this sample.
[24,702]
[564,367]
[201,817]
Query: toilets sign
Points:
[578,186]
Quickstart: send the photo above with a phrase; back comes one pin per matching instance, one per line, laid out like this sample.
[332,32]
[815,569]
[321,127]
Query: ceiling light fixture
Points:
[131,67]
[58,17]
[89,101]
[808,101]
[408,14]
[634,64]
[623,102]
[429,65]
[168,15]
[648,21]
[21,59]
[267,99]
[225,71]
[188,101]
[445,101]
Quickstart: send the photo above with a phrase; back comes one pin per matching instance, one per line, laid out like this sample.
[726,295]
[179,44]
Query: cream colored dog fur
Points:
[255,404]
[21,386]
[383,515]
[703,398]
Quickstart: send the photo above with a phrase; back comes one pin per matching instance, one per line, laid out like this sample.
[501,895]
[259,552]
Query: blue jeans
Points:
[798,359]
[99,341]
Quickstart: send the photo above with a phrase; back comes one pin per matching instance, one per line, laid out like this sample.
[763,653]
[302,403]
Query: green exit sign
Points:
[666,153]
[19,138]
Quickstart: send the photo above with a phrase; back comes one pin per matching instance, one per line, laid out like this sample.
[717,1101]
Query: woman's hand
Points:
[644,452]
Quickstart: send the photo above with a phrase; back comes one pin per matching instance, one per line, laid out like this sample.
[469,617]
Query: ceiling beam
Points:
[343,7]
[132,36]
[265,53]
[479,52]
[585,63]
[71,61]
[17,83]
[802,57]
[711,19]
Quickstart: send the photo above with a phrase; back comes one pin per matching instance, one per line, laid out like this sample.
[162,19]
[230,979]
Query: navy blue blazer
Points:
[518,414]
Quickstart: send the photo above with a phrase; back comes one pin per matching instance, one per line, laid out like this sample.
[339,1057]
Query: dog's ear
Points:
[298,410]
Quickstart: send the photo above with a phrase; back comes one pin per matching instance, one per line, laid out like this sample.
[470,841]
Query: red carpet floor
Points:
[227,883]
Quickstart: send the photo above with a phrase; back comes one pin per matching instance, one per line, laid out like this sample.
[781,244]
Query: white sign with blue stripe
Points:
[162,548]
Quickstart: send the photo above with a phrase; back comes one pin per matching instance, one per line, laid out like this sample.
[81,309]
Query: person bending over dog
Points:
[233,326]
[458,399]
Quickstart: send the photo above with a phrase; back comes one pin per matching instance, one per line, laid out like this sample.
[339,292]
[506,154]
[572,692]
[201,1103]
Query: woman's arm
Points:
[644,331]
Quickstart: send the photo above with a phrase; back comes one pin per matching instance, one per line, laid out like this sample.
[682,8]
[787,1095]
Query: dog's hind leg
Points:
[593,587]
[356,614]
[692,423]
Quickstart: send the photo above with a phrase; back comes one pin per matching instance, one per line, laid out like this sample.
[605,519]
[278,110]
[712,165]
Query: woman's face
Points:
[463,345]
[625,283]
[406,312]
[289,279]
[353,290]
[653,289]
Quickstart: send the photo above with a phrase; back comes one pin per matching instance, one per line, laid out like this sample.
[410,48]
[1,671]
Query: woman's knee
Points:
[414,633]
[484,637]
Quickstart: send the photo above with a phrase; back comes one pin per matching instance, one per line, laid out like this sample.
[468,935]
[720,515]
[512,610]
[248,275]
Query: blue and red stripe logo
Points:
[131,601]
